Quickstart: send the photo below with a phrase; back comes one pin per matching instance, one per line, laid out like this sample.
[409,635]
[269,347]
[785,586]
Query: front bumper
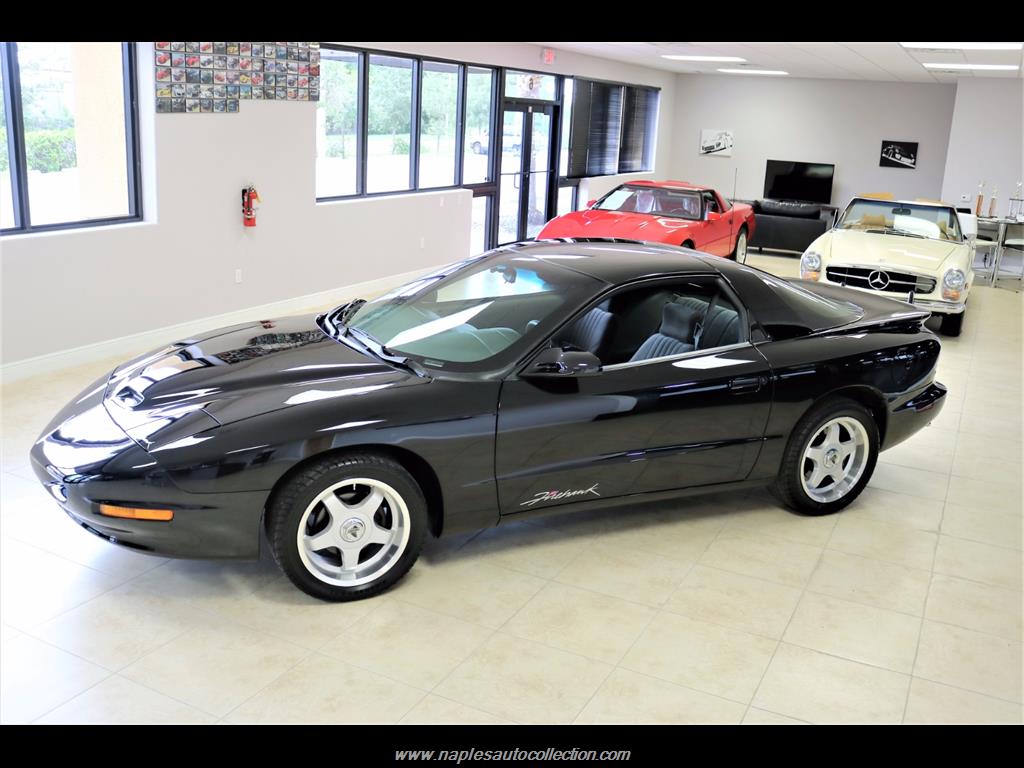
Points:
[82,471]
[936,305]
[914,414]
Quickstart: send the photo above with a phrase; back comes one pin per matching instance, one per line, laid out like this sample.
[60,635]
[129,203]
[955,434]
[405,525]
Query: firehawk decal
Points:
[559,495]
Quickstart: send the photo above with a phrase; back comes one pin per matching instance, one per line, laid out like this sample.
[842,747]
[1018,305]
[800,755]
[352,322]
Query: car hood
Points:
[629,226]
[869,249]
[238,372]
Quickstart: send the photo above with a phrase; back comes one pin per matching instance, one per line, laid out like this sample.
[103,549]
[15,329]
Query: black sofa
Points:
[788,226]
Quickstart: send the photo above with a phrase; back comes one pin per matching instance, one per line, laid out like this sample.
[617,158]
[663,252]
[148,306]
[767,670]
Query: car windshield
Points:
[934,222]
[655,201]
[480,314]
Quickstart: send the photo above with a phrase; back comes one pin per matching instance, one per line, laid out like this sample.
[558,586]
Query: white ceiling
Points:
[845,61]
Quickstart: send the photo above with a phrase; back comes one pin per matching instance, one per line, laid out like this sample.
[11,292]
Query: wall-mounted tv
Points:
[806,182]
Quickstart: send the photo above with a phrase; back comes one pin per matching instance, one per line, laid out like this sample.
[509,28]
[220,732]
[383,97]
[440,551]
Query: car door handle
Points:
[746,384]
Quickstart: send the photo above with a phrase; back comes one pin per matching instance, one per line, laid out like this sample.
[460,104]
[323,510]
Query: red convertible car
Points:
[674,212]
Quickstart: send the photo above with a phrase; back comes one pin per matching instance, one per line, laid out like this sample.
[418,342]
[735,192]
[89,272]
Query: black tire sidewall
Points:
[289,505]
[790,479]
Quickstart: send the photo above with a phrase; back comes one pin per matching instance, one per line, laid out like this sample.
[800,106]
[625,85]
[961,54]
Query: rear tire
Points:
[952,324]
[829,459]
[347,527]
[739,253]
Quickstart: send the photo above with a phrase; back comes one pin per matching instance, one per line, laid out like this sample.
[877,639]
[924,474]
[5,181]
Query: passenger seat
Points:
[675,335]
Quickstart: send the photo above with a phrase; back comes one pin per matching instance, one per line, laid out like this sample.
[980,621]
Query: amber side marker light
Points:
[135,513]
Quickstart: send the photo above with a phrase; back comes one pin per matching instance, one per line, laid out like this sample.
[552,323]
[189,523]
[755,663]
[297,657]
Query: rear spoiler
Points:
[876,310]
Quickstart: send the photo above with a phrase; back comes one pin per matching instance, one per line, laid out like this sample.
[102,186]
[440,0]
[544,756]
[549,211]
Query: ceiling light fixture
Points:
[985,67]
[965,46]
[732,59]
[753,72]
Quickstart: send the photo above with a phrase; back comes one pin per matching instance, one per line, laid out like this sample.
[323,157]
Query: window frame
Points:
[16,147]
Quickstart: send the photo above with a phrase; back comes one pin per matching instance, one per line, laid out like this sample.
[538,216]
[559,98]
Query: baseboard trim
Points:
[136,343]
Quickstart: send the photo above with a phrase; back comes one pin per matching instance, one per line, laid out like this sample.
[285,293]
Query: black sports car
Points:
[540,377]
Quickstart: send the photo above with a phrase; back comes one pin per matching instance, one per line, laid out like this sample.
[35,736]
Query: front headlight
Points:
[953,283]
[810,265]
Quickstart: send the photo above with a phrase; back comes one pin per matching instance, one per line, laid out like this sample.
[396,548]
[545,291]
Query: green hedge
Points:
[49,151]
[3,149]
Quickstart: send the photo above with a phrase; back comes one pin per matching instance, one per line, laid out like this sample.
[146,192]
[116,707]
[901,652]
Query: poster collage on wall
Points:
[215,77]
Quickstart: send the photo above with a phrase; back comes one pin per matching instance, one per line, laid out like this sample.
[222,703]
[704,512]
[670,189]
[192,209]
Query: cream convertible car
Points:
[915,251]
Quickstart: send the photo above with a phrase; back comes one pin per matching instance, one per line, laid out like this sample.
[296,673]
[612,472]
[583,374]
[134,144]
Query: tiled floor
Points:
[904,608]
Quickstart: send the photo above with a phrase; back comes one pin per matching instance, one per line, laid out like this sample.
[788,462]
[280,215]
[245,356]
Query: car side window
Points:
[710,202]
[656,320]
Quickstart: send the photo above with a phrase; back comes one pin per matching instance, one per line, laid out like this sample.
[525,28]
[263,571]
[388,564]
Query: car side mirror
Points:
[555,362]
[712,216]
[590,203]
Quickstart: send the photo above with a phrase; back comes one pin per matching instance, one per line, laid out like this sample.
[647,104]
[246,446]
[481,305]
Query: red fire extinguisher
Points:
[250,199]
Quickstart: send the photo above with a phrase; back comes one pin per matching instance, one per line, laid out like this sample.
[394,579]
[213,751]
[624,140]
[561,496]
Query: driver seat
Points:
[590,331]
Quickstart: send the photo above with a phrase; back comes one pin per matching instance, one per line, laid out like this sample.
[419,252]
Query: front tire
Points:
[952,324]
[347,527]
[830,458]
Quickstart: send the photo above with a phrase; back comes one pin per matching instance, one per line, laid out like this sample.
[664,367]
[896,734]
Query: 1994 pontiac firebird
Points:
[540,377]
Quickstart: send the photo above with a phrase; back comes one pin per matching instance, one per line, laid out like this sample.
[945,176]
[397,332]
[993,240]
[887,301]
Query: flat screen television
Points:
[806,182]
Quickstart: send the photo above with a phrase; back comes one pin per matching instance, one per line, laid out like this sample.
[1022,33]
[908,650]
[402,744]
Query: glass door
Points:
[526,171]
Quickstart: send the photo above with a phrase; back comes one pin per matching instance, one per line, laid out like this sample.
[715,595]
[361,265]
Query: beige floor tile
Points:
[524,681]
[983,524]
[883,541]
[974,447]
[283,611]
[679,533]
[634,699]
[998,496]
[533,549]
[475,591]
[891,508]
[818,688]
[757,716]
[994,426]
[741,602]
[977,606]
[853,631]
[994,469]
[410,644]
[978,562]
[934,704]
[38,677]
[765,557]
[714,659]
[436,710]
[325,691]
[919,455]
[968,659]
[627,573]
[215,668]
[912,482]
[779,522]
[112,632]
[117,701]
[871,582]
[56,585]
[589,623]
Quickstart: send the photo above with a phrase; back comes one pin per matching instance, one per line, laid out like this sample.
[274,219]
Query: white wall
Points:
[986,142]
[820,121]
[62,290]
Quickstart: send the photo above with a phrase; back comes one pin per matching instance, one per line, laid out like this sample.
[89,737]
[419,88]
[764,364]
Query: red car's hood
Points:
[630,226]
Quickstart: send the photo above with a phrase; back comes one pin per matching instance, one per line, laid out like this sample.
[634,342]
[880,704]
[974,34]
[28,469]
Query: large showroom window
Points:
[476,166]
[389,130]
[69,134]
[393,123]
[439,122]
[337,124]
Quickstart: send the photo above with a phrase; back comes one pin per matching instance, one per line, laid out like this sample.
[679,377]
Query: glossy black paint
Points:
[210,427]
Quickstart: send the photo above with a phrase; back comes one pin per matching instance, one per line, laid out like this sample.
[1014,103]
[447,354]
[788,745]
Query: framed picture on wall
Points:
[716,141]
[898,154]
